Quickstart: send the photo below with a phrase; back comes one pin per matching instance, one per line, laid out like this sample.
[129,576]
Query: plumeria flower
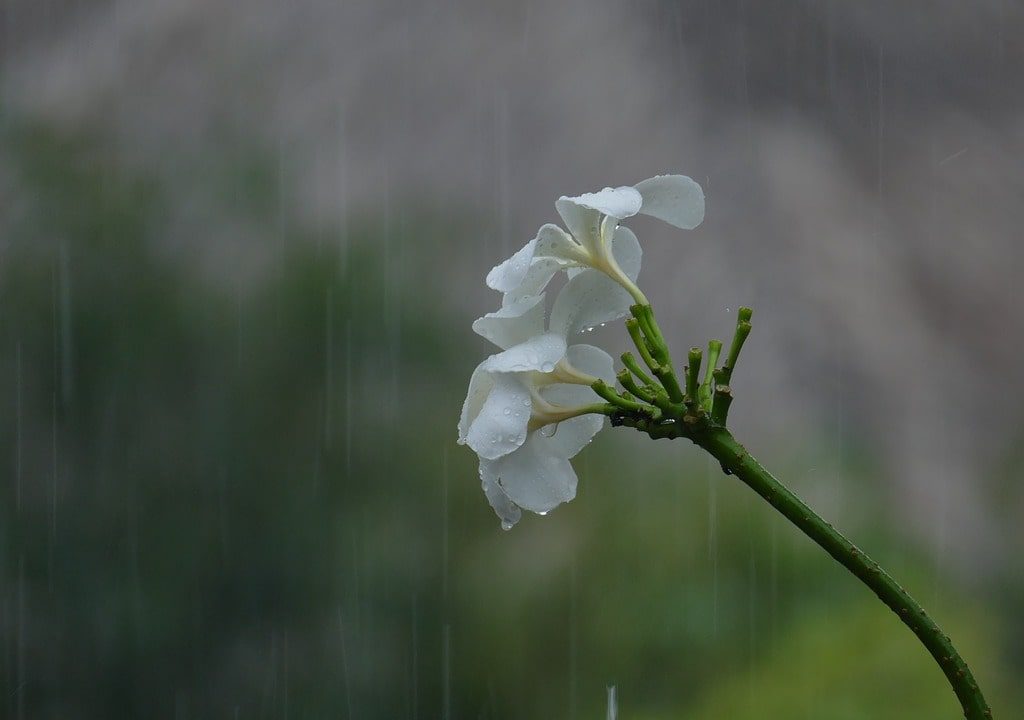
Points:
[592,220]
[551,419]
[530,408]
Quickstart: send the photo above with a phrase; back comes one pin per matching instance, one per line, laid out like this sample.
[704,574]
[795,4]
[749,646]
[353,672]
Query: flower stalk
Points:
[710,433]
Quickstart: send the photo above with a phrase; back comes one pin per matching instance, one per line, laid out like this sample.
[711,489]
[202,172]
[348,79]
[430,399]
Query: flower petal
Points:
[480,385]
[500,426]
[676,199]
[509,274]
[588,300]
[514,323]
[621,202]
[567,438]
[539,353]
[554,249]
[583,214]
[593,361]
[537,278]
[554,242]
[504,508]
[627,252]
[584,223]
[533,478]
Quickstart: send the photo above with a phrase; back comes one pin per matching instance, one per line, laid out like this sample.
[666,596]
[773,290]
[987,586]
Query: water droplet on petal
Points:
[507,524]
[547,367]
[508,411]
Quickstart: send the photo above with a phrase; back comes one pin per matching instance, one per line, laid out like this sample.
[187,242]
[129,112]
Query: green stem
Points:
[656,347]
[736,460]
[634,367]
[627,381]
[707,386]
[693,376]
[624,403]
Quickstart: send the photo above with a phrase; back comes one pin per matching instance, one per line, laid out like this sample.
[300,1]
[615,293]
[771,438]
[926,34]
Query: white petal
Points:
[583,214]
[500,426]
[509,274]
[584,223]
[480,385]
[537,278]
[627,252]
[504,508]
[593,361]
[620,202]
[514,323]
[567,438]
[534,479]
[553,242]
[554,250]
[588,300]
[539,353]
[676,199]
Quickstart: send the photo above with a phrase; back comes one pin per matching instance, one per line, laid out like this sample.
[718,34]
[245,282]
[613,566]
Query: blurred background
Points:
[241,245]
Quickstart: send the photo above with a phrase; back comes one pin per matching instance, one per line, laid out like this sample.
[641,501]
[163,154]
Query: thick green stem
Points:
[737,461]
[653,342]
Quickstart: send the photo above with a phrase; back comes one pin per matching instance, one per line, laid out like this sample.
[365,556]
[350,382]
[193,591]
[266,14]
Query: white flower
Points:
[595,238]
[538,381]
[525,426]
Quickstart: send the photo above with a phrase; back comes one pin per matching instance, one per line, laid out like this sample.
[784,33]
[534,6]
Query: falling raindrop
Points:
[613,704]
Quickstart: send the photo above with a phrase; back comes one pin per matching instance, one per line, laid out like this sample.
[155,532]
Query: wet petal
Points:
[553,242]
[584,223]
[627,252]
[620,202]
[534,479]
[676,199]
[539,353]
[583,214]
[537,278]
[509,274]
[567,438]
[592,360]
[480,385]
[514,323]
[588,300]
[504,508]
[500,426]
[554,250]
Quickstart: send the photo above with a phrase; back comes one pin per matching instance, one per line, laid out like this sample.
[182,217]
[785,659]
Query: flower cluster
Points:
[532,406]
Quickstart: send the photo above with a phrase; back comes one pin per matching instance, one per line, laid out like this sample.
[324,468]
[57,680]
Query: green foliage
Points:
[855,662]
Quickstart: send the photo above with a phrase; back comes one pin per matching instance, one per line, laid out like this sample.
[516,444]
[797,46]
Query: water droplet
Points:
[507,524]
[508,411]
[547,367]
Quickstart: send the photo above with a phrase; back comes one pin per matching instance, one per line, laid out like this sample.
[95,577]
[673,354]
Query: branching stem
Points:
[678,419]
